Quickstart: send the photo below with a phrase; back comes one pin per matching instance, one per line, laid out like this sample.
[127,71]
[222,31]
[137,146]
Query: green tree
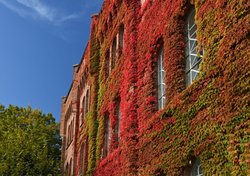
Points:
[29,142]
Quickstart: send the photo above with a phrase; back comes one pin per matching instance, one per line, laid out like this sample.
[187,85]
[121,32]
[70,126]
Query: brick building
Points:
[162,89]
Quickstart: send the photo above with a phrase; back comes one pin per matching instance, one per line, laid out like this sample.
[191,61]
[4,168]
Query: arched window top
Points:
[191,24]
[196,169]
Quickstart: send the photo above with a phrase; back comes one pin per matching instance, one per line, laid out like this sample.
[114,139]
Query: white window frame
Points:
[196,168]
[161,80]
[193,59]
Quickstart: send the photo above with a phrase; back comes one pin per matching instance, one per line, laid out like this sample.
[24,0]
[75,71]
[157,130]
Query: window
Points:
[70,133]
[83,109]
[87,101]
[118,113]
[70,167]
[119,121]
[193,59]
[161,80]
[114,50]
[196,169]
[106,143]
[121,37]
[83,157]
[113,53]
[68,136]
[85,105]
[72,130]
[68,126]
[107,64]
[67,169]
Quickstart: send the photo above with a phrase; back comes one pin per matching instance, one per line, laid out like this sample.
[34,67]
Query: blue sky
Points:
[40,41]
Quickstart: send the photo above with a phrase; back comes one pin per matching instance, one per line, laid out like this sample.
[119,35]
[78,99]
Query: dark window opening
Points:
[118,123]
[113,53]
[107,64]
[107,135]
[121,37]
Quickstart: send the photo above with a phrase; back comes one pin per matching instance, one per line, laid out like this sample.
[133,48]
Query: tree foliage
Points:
[29,142]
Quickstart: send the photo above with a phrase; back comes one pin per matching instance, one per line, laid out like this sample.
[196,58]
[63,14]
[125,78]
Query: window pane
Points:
[161,80]
[192,59]
[121,36]
[113,59]
[87,102]
[159,104]
[159,77]
[107,64]
[196,168]
[81,158]
[188,64]
[188,82]
[106,135]
[83,108]
[193,75]
[163,89]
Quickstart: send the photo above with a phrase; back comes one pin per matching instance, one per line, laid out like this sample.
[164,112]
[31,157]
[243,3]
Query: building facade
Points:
[162,89]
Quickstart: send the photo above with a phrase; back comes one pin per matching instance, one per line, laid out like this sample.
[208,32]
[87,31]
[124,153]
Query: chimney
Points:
[94,18]
[64,99]
[95,15]
[75,67]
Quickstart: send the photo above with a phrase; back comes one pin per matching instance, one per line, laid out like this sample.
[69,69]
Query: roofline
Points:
[82,57]
[66,98]
[79,65]
[93,15]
